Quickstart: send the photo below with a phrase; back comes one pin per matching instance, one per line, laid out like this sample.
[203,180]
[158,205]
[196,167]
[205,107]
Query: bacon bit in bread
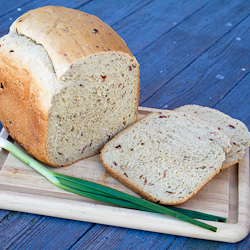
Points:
[83,149]
[103,78]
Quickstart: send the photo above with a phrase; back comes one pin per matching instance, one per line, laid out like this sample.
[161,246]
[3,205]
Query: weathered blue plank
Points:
[237,102]
[111,11]
[172,37]
[3,214]
[211,76]
[168,56]
[13,225]
[7,19]
[121,238]
[28,231]
[154,20]
[7,6]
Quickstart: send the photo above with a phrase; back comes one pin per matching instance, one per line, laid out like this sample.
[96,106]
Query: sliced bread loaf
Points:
[68,82]
[167,157]
[233,128]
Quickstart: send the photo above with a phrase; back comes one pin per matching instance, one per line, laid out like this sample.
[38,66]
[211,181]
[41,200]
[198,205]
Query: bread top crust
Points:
[68,35]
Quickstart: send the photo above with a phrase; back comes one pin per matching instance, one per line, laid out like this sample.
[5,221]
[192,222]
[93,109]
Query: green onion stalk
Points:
[109,195]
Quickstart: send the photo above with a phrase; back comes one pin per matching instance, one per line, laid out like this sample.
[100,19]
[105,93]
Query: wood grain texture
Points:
[237,101]
[23,189]
[211,76]
[7,20]
[161,34]
[165,59]
[155,20]
[45,228]
[8,6]
[112,11]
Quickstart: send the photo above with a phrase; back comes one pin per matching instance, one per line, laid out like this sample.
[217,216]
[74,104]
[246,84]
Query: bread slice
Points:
[167,157]
[68,84]
[233,128]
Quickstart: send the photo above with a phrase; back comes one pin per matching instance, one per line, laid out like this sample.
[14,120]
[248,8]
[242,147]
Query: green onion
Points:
[105,194]
[199,215]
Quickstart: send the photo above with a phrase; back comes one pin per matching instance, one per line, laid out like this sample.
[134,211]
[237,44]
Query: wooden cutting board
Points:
[23,189]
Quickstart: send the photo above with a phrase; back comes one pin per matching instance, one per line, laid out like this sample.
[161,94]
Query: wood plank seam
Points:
[6,216]
[19,239]
[98,237]
[232,89]
[22,200]
[6,13]
[24,6]
[84,234]
[83,4]
[27,232]
[233,27]
[147,3]
[199,9]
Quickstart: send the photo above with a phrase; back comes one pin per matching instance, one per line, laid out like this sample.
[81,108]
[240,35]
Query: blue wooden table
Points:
[190,52]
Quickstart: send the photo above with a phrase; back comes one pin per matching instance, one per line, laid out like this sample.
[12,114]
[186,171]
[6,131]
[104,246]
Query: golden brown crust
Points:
[68,35]
[20,111]
[231,164]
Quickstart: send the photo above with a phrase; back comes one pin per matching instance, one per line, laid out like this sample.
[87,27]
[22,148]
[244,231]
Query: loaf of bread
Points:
[167,157]
[69,83]
[233,128]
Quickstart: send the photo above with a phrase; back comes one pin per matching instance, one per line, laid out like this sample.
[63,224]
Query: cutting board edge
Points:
[226,232]
[87,212]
